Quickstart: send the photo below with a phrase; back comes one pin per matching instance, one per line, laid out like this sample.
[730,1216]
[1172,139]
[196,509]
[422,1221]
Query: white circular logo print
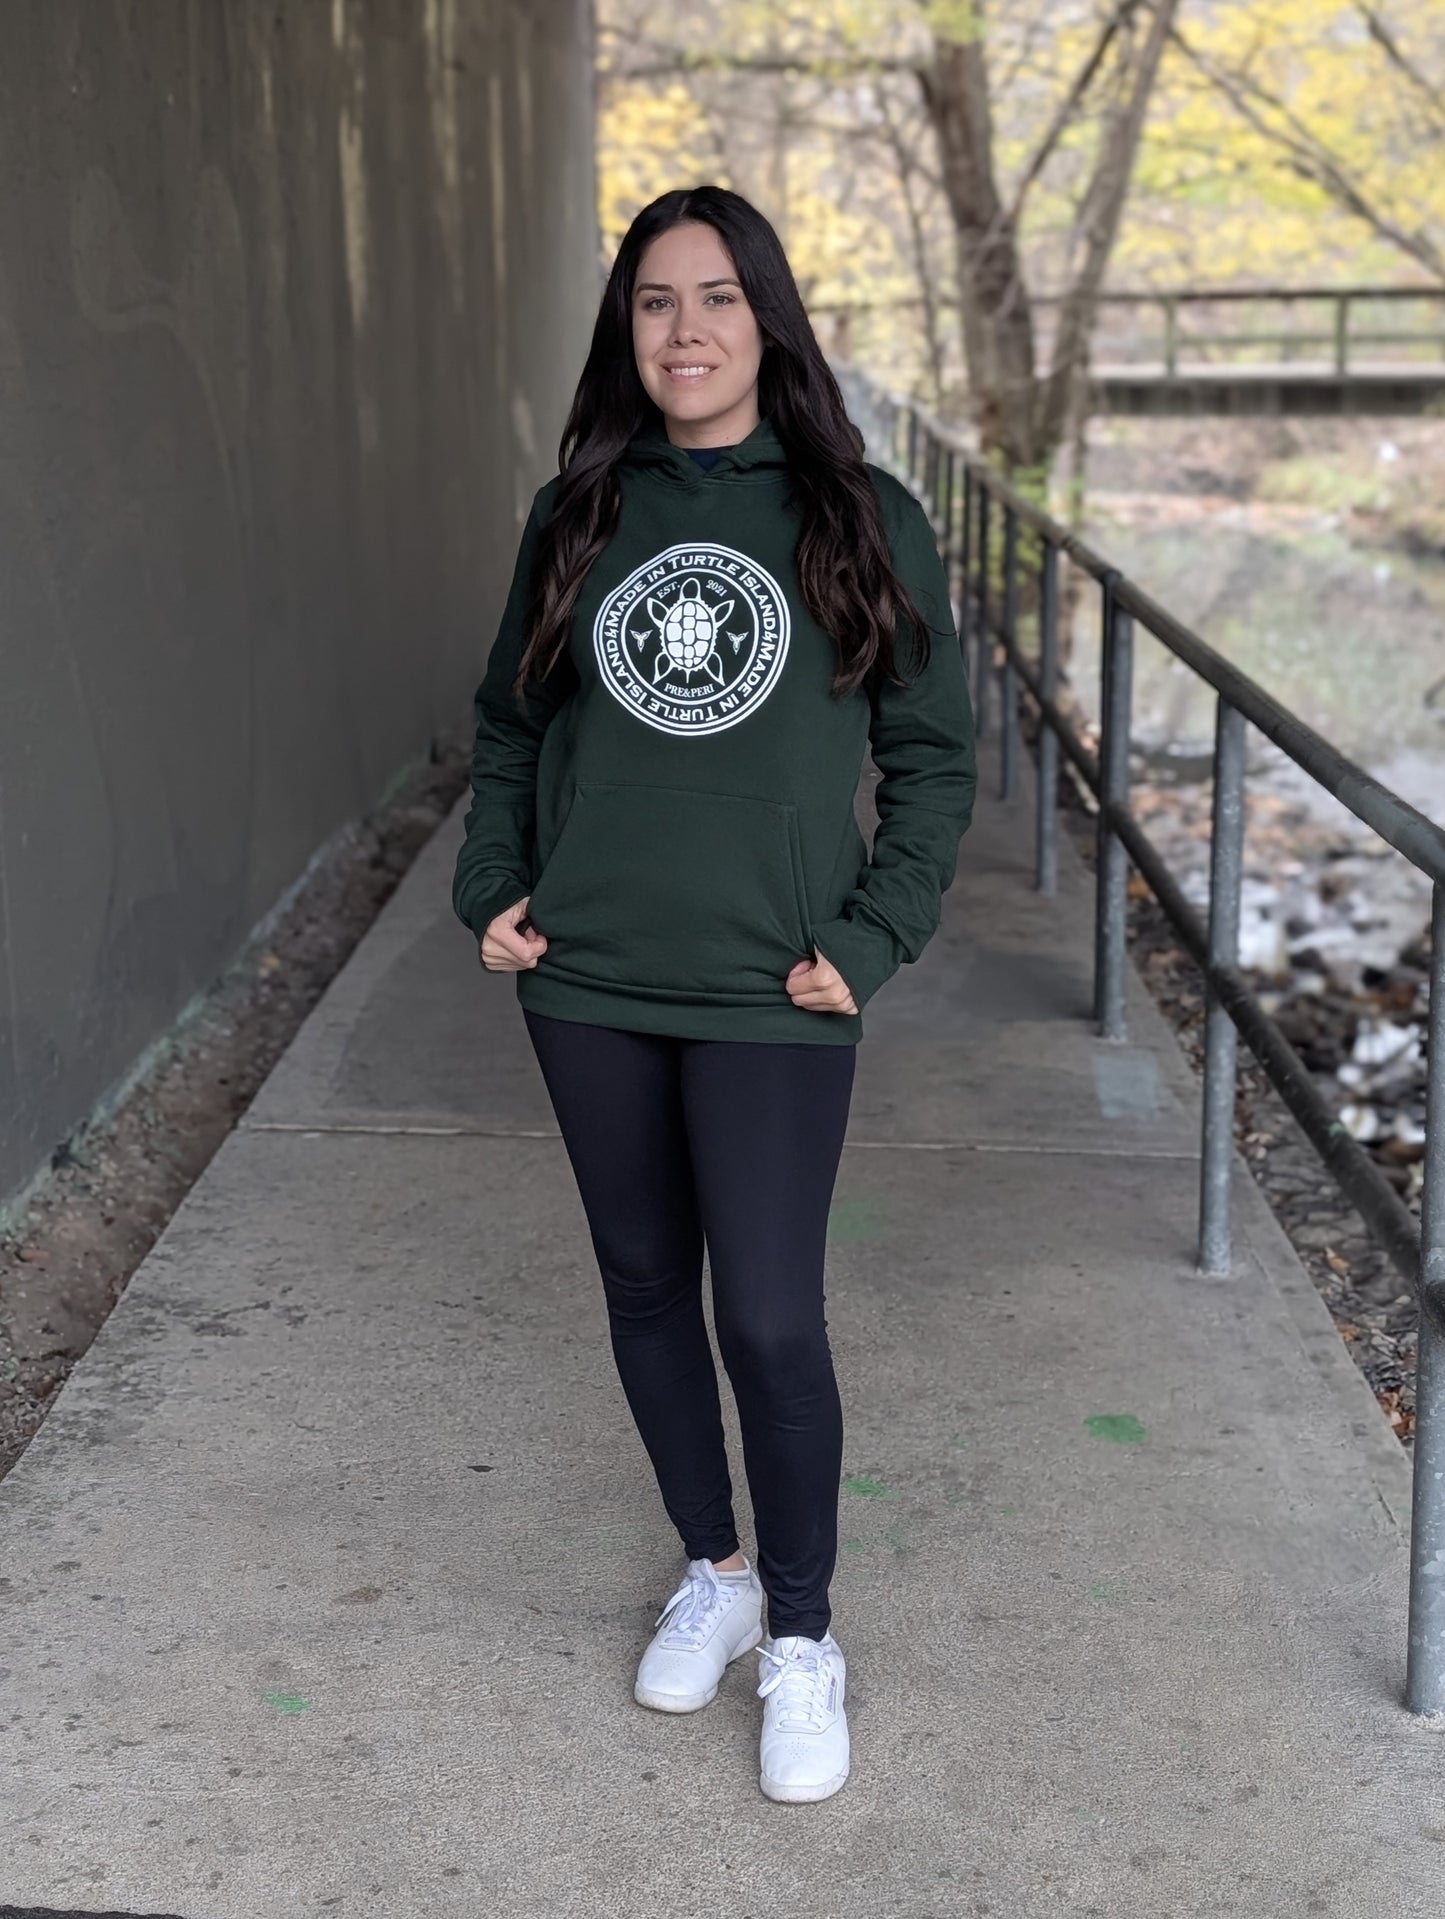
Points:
[694,639]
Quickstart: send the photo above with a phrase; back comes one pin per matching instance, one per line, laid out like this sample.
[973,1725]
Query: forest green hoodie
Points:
[678,801]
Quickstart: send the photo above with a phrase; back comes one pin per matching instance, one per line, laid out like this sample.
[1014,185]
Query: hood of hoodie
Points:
[759,455]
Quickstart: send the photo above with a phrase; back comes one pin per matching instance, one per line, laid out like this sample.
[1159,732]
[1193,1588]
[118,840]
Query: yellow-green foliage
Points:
[648,140]
[1221,193]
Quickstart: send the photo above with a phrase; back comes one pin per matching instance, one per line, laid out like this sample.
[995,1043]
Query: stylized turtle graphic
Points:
[688,631]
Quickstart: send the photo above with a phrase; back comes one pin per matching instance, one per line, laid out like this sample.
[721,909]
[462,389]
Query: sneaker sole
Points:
[798,1795]
[691,1701]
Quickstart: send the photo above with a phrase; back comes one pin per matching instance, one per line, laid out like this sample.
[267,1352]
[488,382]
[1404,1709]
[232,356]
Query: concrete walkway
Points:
[328,1574]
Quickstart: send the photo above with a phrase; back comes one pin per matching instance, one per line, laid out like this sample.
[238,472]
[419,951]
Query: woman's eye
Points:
[660,299]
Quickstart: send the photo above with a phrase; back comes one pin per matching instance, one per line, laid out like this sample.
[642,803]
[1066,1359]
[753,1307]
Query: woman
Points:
[698,643]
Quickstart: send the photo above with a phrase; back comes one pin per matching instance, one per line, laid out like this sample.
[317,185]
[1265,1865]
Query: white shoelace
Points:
[698,1600]
[801,1672]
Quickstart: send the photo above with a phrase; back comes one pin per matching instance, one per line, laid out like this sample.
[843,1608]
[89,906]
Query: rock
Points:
[1378,1041]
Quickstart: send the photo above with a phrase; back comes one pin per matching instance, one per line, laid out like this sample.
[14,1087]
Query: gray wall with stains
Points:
[292,297]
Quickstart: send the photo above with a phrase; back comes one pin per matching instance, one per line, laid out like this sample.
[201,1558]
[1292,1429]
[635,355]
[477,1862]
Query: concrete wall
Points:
[292,297]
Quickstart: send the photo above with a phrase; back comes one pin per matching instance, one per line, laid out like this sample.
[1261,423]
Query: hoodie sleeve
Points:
[922,741]
[494,863]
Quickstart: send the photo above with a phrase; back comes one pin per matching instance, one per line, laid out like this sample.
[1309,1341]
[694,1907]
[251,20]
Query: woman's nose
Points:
[686,328]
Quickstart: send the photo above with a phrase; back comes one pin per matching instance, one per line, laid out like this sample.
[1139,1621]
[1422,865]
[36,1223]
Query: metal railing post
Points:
[983,639]
[1111,896]
[1046,823]
[1009,717]
[1226,862]
[965,564]
[1425,1660]
[950,542]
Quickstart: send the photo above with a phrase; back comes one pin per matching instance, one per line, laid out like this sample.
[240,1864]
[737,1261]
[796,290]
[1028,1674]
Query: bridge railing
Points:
[1331,341]
[1208,331]
[972,507]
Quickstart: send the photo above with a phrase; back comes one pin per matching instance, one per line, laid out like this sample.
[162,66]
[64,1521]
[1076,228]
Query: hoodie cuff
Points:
[479,909]
[865,954]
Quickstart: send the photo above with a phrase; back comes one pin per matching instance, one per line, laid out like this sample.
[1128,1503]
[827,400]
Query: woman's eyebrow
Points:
[665,286]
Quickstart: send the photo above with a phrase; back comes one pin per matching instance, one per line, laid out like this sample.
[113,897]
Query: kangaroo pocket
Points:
[674,894]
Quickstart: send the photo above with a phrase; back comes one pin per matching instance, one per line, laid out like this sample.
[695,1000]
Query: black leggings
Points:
[735,1141]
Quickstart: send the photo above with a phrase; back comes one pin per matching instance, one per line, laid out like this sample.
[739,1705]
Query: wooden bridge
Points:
[1270,350]
[1250,350]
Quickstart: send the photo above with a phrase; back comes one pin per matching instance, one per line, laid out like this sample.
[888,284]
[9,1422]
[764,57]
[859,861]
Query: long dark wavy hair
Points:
[844,568]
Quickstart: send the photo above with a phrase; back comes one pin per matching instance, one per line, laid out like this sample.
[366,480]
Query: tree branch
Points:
[904,160]
[1069,106]
[1397,56]
[1308,157]
[672,61]
[1104,201]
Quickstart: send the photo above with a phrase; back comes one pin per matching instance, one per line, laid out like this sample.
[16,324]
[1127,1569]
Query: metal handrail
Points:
[933,460]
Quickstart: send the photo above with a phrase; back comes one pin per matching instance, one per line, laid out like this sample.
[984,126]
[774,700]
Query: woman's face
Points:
[688,310]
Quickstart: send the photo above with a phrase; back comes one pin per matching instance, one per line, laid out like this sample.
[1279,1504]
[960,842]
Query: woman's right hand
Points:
[504,949]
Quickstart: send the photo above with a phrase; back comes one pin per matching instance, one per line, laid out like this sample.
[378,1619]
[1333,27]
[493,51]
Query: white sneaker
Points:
[708,1622]
[804,1747]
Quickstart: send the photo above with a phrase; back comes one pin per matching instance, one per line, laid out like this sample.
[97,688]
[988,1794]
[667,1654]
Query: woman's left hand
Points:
[817,985]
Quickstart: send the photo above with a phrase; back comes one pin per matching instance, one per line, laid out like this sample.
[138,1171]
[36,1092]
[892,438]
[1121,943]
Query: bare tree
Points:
[905,159]
[1021,412]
